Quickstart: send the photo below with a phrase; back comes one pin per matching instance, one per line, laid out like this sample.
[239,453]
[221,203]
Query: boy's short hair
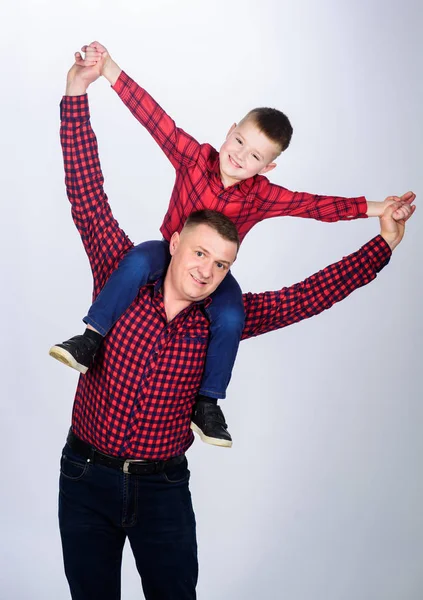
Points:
[217,221]
[273,123]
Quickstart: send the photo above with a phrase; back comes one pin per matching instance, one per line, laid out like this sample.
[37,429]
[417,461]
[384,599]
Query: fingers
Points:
[99,47]
[408,197]
[403,212]
[92,56]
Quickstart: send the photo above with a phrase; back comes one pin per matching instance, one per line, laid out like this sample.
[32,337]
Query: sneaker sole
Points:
[67,359]
[209,440]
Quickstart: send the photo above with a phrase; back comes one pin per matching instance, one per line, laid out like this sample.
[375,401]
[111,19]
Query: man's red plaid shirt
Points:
[198,184]
[136,400]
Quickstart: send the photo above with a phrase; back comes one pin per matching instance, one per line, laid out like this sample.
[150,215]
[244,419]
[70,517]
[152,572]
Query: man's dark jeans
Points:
[99,507]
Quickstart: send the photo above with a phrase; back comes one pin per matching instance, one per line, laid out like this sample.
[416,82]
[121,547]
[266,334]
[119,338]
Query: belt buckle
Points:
[129,461]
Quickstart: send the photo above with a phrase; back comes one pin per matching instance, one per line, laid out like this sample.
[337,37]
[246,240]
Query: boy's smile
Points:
[246,152]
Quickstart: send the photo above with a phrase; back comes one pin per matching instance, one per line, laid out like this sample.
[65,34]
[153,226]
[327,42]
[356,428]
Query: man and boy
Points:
[123,469]
[230,181]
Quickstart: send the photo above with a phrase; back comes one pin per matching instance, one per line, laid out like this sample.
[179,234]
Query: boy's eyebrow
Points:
[226,262]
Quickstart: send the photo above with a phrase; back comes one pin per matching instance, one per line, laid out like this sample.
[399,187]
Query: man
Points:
[123,469]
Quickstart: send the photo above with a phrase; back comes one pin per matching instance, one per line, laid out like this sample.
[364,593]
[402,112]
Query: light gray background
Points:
[321,496]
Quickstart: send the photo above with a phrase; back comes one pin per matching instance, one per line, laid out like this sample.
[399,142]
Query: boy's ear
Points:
[267,168]
[231,130]
[174,243]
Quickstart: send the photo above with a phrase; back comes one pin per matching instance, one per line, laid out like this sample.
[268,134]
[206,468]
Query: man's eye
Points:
[220,265]
[199,253]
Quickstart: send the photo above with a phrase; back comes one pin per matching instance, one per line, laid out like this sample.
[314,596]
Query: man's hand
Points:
[376,209]
[97,54]
[392,222]
[82,74]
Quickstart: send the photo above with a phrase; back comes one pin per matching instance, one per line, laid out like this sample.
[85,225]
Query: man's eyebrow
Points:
[223,261]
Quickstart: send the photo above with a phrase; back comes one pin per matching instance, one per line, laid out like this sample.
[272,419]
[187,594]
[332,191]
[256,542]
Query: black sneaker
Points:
[208,421]
[78,352]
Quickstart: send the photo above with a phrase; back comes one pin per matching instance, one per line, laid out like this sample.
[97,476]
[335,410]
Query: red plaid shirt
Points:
[136,400]
[198,184]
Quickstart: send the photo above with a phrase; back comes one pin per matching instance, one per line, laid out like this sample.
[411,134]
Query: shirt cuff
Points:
[75,108]
[378,252]
[122,82]
[360,208]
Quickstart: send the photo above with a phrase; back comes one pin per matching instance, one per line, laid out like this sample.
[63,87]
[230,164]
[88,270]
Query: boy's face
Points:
[246,152]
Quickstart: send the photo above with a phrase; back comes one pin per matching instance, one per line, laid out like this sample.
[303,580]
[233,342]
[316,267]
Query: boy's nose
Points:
[242,153]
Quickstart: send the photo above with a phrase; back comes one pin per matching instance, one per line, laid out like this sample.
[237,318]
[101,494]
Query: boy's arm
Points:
[273,310]
[277,201]
[104,241]
[179,147]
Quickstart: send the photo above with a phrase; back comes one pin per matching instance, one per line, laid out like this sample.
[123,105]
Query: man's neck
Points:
[172,304]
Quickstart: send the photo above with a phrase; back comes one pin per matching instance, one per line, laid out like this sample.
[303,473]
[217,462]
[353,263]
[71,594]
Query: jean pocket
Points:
[177,474]
[70,468]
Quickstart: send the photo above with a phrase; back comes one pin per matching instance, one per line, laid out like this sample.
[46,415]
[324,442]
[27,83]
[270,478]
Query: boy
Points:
[230,181]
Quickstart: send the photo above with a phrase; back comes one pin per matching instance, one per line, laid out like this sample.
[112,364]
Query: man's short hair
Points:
[217,221]
[273,123]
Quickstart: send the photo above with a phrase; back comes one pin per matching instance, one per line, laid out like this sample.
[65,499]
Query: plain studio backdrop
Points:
[321,496]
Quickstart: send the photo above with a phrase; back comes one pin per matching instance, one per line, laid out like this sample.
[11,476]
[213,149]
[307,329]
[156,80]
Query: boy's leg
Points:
[227,318]
[146,262]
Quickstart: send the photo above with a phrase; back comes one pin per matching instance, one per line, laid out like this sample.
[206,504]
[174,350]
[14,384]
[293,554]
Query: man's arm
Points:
[179,147]
[279,202]
[273,310]
[104,241]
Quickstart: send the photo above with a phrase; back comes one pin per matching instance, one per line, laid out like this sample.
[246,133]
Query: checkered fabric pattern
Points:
[136,400]
[198,184]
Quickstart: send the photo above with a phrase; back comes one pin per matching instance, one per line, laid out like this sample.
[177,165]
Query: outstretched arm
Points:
[104,241]
[278,201]
[179,147]
[273,310]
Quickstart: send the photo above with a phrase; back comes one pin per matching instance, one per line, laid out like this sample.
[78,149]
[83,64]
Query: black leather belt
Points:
[127,465]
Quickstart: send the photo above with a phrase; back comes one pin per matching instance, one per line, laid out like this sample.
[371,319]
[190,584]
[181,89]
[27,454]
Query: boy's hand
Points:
[96,53]
[392,222]
[376,209]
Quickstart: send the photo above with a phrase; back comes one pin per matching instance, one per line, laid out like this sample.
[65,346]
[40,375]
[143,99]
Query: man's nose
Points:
[205,269]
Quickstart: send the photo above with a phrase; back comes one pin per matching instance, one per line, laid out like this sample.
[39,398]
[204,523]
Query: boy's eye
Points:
[238,140]
[256,157]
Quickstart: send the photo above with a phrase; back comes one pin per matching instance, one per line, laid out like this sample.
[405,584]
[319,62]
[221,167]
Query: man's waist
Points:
[133,466]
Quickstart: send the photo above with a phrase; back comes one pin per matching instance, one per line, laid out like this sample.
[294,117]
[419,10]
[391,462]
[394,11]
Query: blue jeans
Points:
[100,507]
[147,262]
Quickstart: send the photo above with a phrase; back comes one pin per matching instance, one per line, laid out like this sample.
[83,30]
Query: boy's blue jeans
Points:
[147,262]
[100,507]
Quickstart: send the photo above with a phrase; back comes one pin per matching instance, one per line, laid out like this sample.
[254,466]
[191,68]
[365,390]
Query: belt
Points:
[127,465]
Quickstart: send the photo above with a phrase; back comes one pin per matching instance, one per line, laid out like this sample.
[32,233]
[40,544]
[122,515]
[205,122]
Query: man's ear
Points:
[174,243]
[231,130]
[267,168]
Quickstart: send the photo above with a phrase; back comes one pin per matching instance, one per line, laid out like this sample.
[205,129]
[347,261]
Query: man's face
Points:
[246,152]
[200,260]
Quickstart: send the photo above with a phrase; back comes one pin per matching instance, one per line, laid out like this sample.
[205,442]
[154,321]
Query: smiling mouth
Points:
[235,164]
[197,280]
